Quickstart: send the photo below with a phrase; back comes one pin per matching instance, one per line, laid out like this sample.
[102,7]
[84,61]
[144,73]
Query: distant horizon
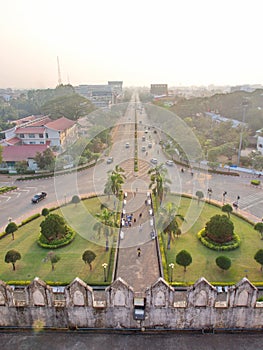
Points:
[136,86]
[141,42]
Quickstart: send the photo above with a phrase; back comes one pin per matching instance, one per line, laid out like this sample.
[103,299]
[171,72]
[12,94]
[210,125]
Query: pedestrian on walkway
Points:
[140,215]
[140,228]
[138,252]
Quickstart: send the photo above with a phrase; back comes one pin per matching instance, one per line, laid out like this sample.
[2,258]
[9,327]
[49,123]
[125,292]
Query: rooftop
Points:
[22,152]
[60,124]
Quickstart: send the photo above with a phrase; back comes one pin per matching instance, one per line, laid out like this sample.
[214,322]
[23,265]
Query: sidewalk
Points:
[138,271]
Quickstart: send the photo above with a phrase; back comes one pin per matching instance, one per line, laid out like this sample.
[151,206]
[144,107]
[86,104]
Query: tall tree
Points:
[12,256]
[115,180]
[169,221]
[45,160]
[199,195]
[53,258]
[159,181]
[183,258]
[227,208]
[105,224]
[88,256]
[11,228]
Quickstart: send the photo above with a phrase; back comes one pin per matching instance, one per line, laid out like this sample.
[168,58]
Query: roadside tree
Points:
[227,208]
[11,228]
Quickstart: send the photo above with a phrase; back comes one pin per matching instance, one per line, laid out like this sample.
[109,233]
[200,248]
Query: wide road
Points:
[17,204]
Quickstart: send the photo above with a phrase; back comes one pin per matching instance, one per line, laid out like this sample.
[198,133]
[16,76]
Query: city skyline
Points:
[140,42]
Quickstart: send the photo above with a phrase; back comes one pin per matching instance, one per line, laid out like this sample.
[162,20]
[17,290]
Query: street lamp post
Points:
[171,265]
[209,191]
[104,265]
[244,106]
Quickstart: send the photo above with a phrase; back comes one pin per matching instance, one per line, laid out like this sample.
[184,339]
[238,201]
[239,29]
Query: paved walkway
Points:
[138,271]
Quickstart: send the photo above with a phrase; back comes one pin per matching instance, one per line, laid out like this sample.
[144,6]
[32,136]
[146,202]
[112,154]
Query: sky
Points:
[140,42]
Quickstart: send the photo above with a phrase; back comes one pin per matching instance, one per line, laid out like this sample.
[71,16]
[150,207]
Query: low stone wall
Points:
[78,306]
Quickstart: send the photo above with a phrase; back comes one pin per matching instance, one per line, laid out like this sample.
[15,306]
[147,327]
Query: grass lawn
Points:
[71,264]
[203,264]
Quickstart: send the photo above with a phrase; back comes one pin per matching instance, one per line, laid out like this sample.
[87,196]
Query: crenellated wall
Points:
[79,306]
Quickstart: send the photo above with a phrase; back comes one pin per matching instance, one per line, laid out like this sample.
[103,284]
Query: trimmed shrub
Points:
[57,243]
[30,218]
[255,182]
[231,245]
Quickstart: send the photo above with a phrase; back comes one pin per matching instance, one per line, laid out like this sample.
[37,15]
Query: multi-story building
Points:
[35,134]
[41,130]
[159,89]
[102,96]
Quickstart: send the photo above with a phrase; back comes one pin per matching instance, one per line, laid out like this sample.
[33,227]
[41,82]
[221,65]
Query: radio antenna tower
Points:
[59,74]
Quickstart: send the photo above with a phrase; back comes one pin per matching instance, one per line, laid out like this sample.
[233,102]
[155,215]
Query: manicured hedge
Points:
[67,239]
[234,244]
[30,218]
[255,182]
[7,189]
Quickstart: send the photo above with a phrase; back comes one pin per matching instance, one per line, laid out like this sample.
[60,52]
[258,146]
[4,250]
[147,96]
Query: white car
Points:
[154,161]
[169,162]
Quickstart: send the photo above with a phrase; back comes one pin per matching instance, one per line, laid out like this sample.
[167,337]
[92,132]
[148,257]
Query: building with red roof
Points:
[13,154]
[42,130]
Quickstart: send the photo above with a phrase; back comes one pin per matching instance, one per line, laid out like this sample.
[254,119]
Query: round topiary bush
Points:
[219,229]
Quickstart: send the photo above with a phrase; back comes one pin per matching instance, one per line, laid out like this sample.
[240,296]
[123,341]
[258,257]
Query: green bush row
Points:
[30,218]
[7,189]
[67,239]
[234,244]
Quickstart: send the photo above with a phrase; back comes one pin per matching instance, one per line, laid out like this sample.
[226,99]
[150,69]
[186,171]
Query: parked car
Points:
[38,197]
[109,160]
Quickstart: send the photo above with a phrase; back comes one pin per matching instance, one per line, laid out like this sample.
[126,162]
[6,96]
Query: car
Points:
[143,148]
[38,197]
[109,160]
[150,145]
[169,162]
[127,145]
[154,161]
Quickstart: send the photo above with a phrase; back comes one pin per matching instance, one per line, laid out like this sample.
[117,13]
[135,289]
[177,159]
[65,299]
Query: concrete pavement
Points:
[138,271]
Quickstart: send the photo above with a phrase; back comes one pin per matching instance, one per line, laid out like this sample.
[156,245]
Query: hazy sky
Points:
[187,42]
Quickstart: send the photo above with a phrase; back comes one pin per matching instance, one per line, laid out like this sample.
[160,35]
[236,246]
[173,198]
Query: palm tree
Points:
[105,224]
[168,221]
[114,182]
[159,181]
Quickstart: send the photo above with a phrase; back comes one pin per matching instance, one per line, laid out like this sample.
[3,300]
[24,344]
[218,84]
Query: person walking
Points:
[138,252]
